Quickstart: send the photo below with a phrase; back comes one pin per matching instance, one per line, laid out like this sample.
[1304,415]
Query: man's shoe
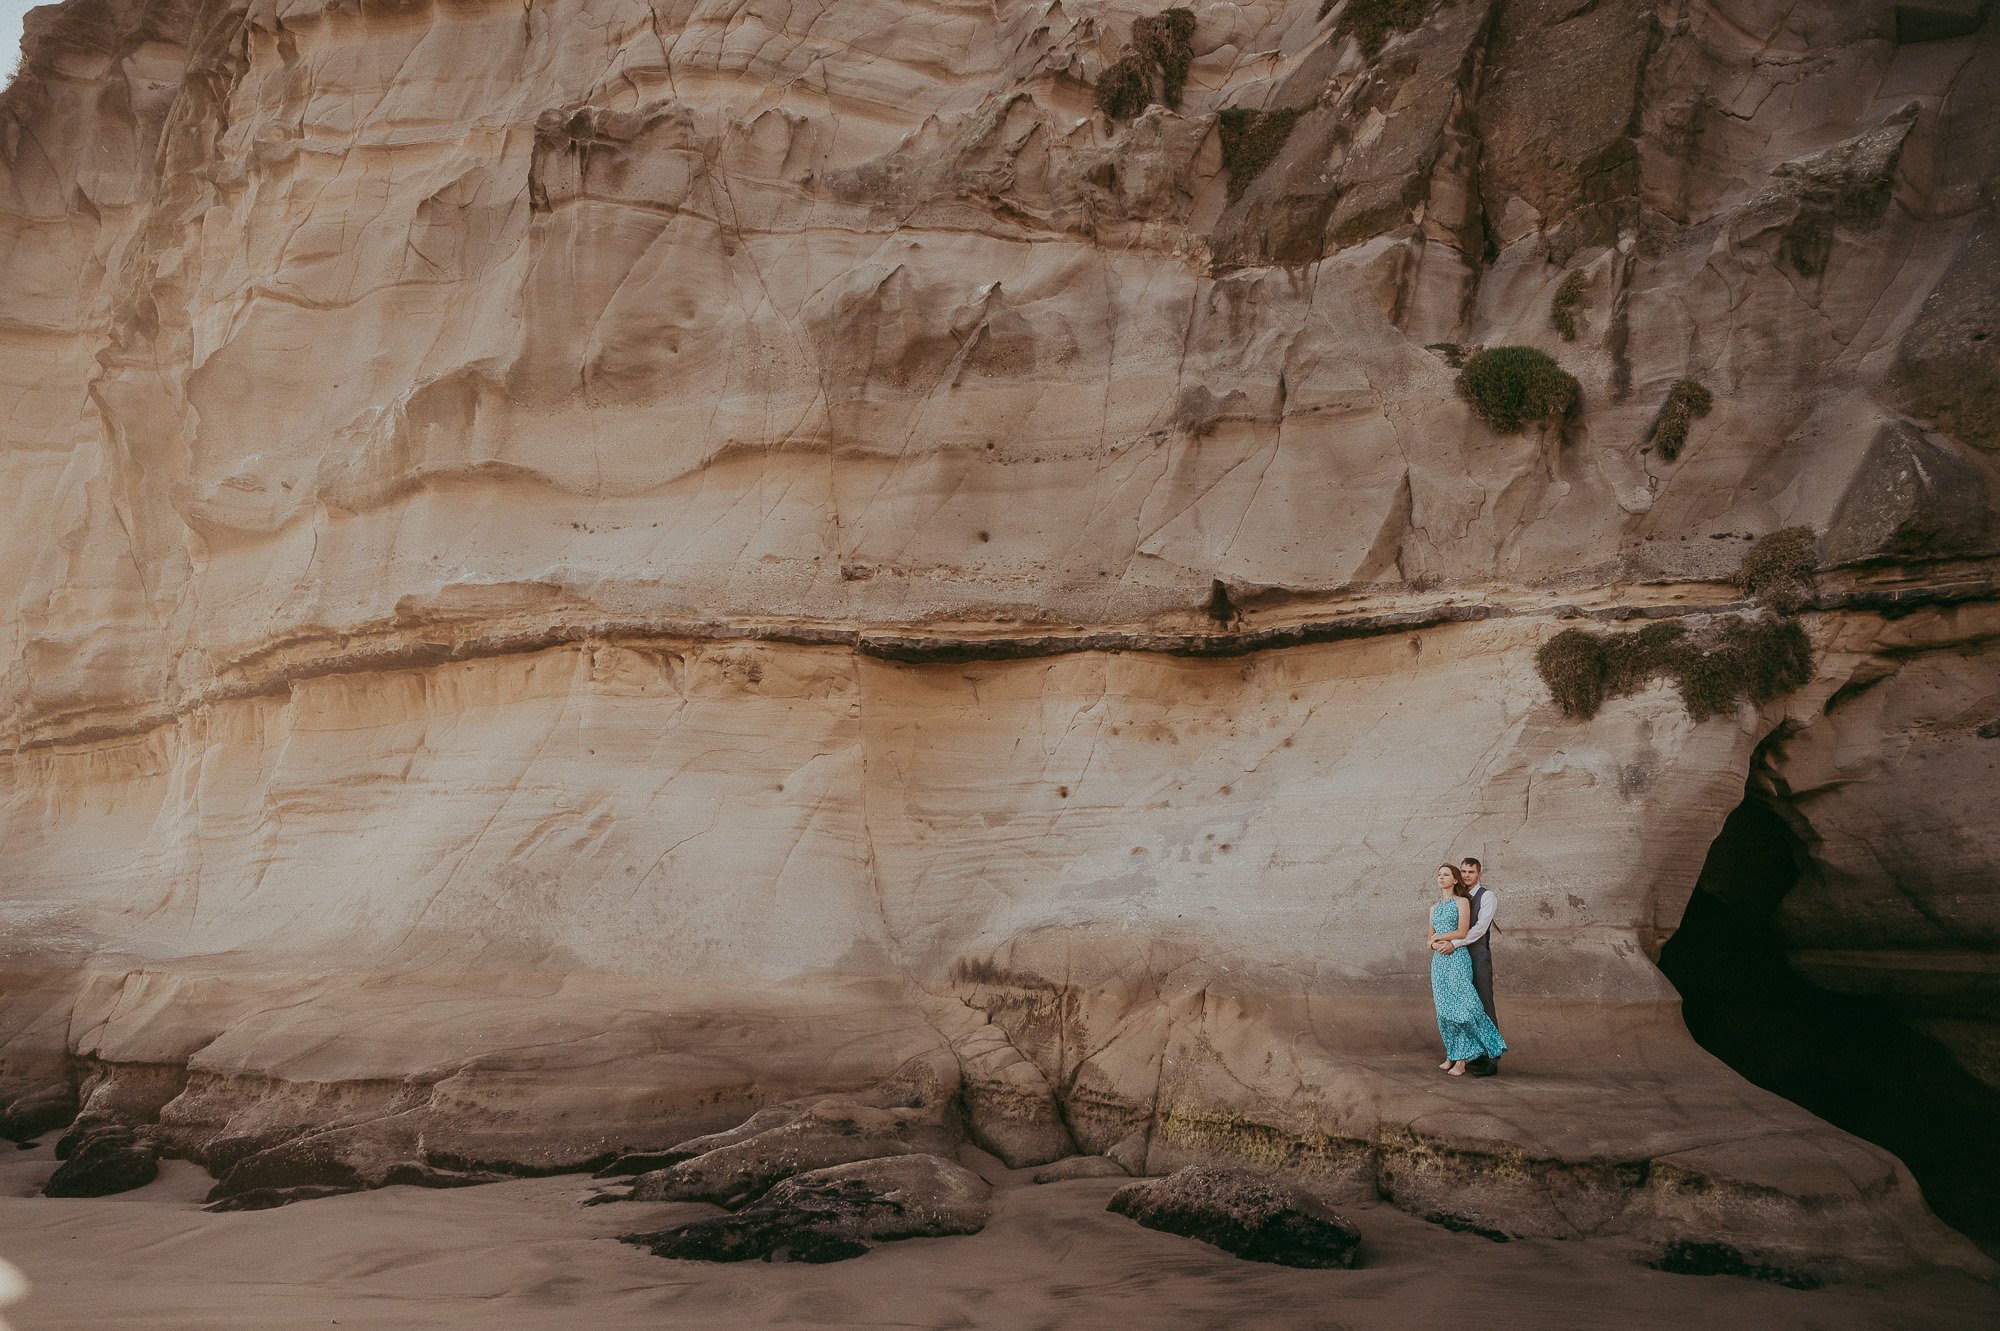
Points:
[1483,1066]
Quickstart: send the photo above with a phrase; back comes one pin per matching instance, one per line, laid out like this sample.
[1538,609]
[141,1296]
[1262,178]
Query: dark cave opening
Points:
[1854,1061]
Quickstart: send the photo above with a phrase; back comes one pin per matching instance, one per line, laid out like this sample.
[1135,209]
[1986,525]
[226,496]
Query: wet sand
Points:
[527,1255]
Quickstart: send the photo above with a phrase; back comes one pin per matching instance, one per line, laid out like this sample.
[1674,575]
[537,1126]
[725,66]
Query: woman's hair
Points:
[1458,887]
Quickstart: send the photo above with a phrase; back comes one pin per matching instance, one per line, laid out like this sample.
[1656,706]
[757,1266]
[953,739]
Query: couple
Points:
[1462,971]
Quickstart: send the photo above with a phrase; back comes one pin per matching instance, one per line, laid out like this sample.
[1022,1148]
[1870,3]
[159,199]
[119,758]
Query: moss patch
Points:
[1806,243]
[1123,90]
[1778,569]
[1374,22]
[1687,401]
[1154,69]
[1758,659]
[1512,387]
[1562,310]
[1250,139]
[1166,42]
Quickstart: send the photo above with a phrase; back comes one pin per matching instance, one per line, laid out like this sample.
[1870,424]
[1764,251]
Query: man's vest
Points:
[1483,945]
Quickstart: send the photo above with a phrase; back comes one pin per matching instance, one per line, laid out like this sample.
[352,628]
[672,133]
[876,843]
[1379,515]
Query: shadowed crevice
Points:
[1854,1061]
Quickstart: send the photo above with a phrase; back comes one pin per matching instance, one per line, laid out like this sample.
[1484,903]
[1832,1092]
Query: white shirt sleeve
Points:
[1487,908]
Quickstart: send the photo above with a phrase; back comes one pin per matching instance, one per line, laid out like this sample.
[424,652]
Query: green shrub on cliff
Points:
[1374,22]
[1572,666]
[1166,42]
[1512,387]
[1250,139]
[1687,401]
[1758,659]
[1562,310]
[1162,50]
[1123,89]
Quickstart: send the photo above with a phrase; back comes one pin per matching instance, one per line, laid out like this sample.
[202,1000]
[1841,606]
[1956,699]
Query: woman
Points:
[1468,1032]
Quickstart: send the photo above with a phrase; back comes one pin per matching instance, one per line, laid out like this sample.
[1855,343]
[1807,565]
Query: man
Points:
[1479,941]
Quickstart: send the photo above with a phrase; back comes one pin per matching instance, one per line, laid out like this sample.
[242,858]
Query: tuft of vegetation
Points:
[1155,68]
[1250,139]
[1166,42]
[1562,310]
[1572,667]
[1220,608]
[1123,90]
[1778,569]
[1374,22]
[1454,354]
[1511,387]
[1757,659]
[1806,242]
[1687,401]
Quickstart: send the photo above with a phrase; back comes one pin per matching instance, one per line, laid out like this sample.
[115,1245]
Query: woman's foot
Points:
[1456,1069]
[1445,1066]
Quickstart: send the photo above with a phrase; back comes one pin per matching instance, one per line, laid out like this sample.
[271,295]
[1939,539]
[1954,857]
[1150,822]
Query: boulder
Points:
[1081,1166]
[1256,1218]
[31,1115]
[828,1215]
[266,1199]
[109,1160]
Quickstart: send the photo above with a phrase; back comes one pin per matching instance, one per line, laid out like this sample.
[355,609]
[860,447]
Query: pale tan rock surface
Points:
[575,571]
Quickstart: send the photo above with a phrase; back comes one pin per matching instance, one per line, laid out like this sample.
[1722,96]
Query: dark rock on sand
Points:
[1459,1224]
[83,1127]
[830,1132]
[109,1160]
[828,1215]
[265,1199]
[29,1116]
[1691,1257]
[1256,1218]
[641,1162]
[310,1161]
[343,1160]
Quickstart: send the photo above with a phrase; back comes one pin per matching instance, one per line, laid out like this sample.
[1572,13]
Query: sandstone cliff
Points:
[574,569]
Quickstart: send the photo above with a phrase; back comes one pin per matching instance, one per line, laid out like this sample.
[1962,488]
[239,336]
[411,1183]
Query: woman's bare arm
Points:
[1464,921]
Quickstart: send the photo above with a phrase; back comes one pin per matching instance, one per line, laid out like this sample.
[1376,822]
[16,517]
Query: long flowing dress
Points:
[1468,1032]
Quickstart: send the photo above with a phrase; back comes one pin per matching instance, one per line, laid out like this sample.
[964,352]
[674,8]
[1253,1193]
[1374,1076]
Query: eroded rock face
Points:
[577,574]
[826,1134]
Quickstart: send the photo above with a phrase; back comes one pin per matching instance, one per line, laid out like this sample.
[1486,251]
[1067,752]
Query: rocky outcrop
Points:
[1253,1217]
[577,574]
[104,1161]
[831,1214]
[825,1135]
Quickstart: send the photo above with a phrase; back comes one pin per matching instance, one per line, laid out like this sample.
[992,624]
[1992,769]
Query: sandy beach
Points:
[527,1255]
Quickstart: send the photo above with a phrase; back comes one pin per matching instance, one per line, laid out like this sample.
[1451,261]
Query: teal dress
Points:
[1468,1032]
